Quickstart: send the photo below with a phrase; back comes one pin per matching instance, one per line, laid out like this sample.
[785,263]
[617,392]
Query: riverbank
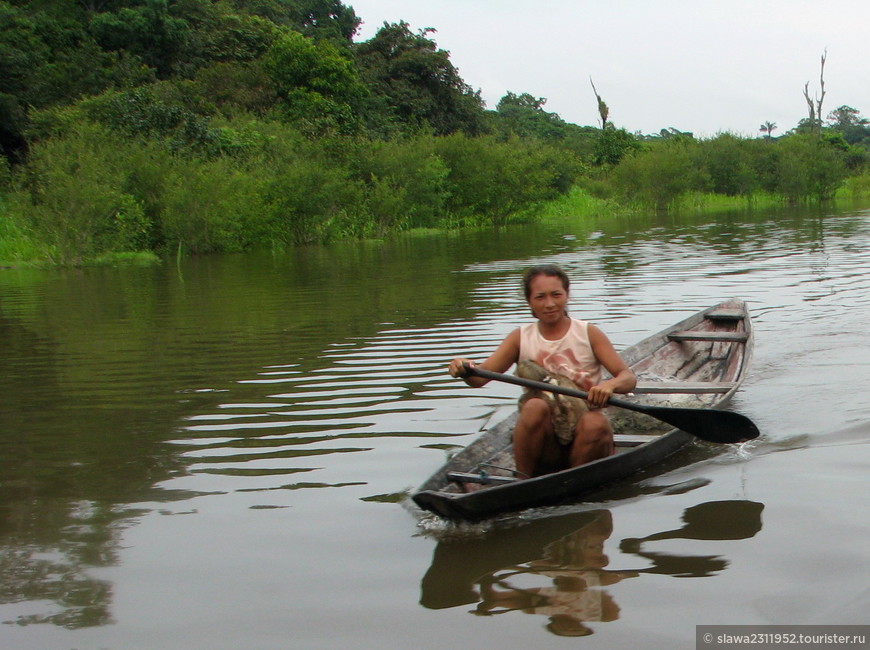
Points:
[21,247]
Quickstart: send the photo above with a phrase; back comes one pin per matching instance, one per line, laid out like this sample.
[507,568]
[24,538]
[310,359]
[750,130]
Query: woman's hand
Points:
[457,367]
[598,396]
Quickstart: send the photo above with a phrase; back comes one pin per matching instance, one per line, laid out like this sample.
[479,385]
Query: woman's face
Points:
[547,298]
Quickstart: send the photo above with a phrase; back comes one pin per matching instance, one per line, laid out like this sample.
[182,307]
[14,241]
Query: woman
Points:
[565,346]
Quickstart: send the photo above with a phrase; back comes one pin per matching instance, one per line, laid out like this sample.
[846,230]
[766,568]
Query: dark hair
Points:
[543,269]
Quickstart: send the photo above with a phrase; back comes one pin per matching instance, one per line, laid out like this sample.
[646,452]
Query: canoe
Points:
[698,363]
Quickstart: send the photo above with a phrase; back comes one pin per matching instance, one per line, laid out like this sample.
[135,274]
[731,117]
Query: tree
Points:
[325,19]
[94,6]
[317,81]
[414,83]
[525,100]
[850,123]
[150,31]
[524,115]
[768,127]
[845,117]
[22,52]
[317,19]
[218,34]
[672,133]
[613,145]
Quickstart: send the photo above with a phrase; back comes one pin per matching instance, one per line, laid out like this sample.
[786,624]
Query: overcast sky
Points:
[696,65]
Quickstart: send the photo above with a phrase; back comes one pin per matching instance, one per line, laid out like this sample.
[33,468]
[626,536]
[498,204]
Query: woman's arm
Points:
[623,379]
[505,355]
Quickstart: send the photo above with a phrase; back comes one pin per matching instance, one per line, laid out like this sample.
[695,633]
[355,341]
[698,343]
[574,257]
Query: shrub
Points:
[79,204]
[728,163]
[496,180]
[659,175]
[406,183]
[210,206]
[808,167]
[308,201]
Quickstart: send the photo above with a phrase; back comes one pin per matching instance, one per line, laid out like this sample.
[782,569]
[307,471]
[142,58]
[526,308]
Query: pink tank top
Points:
[571,355]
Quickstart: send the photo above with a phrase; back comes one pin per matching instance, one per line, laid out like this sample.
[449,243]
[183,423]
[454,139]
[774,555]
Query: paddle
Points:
[707,424]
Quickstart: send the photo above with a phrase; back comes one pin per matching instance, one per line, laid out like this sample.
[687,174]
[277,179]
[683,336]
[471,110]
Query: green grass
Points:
[709,202]
[134,258]
[577,203]
[855,187]
[17,247]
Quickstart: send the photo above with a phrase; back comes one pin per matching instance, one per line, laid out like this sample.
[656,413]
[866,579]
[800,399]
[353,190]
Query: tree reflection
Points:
[55,525]
[52,574]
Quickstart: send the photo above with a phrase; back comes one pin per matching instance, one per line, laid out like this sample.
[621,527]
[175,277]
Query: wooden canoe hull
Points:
[711,348]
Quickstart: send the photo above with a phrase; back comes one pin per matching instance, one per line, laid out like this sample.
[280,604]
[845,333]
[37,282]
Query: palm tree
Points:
[768,127]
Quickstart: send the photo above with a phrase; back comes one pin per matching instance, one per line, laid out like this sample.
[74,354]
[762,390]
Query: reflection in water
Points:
[558,568]
[48,540]
[573,594]
[707,521]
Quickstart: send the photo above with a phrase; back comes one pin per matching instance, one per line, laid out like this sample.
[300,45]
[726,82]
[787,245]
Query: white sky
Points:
[696,65]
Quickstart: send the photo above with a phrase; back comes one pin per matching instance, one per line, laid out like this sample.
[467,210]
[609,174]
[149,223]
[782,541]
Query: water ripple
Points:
[392,385]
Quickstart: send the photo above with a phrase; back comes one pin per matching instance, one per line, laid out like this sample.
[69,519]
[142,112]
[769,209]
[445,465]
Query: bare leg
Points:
[536,450]
[594,439]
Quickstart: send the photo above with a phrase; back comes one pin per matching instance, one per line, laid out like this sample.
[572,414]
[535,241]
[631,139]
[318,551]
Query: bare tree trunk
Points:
[822,90]
[815,107]
[810,105]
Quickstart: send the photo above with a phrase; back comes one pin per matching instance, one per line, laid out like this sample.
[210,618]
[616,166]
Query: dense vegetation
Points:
[221,125]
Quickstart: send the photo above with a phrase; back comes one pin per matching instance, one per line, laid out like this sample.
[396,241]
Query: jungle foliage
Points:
[221,125]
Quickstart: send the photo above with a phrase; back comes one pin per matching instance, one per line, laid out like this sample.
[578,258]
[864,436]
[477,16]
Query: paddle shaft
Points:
[708,424]
[543,385]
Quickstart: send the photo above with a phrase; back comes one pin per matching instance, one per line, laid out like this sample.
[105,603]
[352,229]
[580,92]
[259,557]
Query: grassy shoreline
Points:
[20,248]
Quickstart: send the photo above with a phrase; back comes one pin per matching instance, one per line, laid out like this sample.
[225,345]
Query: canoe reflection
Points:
[557,567]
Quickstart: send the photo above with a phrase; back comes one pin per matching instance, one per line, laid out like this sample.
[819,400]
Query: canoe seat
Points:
[726,314]
[479,477]
[731,337]
[689,387]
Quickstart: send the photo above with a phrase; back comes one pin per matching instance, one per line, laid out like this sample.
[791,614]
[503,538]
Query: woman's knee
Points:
[535,411]
[594,439]
[594,425]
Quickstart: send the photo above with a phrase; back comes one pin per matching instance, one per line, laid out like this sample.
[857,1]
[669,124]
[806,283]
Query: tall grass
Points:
[17,245]
[855,187]
[578,203]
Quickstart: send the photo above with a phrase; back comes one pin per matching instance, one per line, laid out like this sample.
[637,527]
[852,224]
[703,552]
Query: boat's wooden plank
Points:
[689,335]
[726,314]
[686,387]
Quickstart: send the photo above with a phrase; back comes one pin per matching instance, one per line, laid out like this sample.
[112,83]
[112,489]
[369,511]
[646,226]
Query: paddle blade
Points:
[707,424]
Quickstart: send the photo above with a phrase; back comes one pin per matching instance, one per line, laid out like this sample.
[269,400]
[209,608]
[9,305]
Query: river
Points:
[214,453]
